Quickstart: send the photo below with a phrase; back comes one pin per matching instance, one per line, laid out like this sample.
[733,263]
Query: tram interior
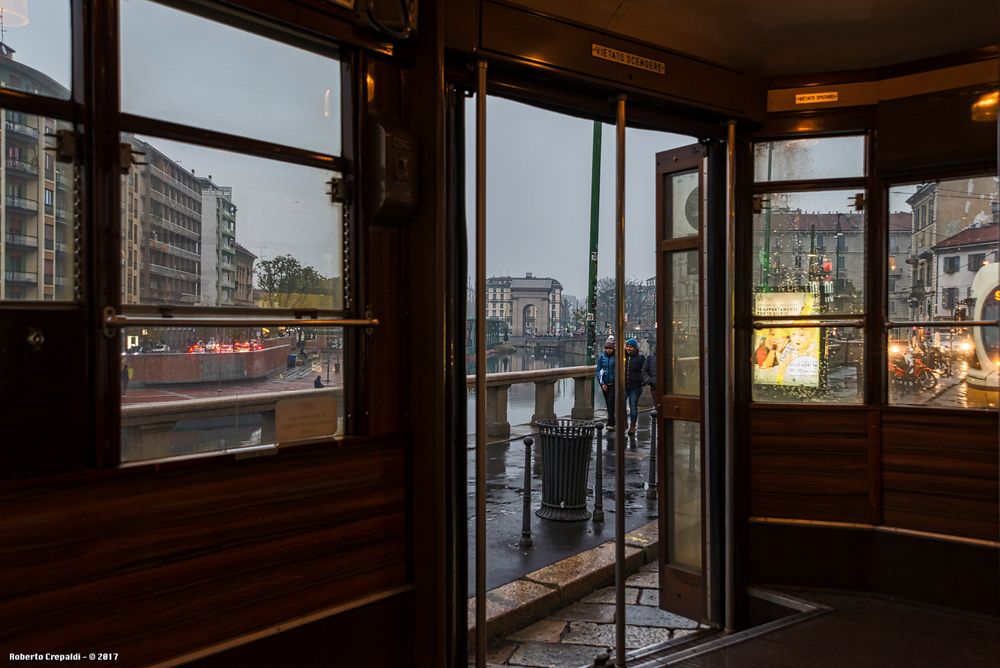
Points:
[246,307]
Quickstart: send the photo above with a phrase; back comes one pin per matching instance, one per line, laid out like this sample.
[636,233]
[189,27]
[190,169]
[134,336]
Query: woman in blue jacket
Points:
[605,377]
[634,362]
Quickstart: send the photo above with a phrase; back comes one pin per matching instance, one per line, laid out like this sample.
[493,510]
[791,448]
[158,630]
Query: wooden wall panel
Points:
[809,464]
[153,563]
[940,473]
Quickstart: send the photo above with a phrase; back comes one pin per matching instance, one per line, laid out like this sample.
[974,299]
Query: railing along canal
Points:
[498,384]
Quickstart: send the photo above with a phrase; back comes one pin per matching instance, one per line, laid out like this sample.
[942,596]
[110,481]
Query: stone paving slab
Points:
[586,612]
[607,595]
[603,635]
[646,615]
[544,655]
[580,574]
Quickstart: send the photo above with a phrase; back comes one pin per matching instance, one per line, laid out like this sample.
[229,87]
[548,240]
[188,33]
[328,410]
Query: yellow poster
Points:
[786,356]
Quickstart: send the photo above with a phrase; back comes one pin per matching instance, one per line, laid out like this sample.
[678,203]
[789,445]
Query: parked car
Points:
[160,348]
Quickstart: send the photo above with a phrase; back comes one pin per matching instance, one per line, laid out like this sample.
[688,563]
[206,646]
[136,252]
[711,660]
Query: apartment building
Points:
[244,276]
[36,246]
[218,245]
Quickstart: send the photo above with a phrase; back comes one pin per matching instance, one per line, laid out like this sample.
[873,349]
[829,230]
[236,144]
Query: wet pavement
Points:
[551,540]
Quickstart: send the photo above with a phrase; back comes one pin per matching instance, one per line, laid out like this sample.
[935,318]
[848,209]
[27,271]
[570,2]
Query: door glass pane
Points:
[188,391]
[942,234]
[683,445]
[803,364]
[684,371]
[202,227]
[35,48]
[814,158]
[187,69]
[810,244]
[683,204]
[37,245]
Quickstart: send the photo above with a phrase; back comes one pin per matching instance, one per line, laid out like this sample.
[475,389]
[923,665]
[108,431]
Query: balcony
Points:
[22,167]
[174,227]
[21,240]
[173,250]
[62,247]
[173,273]
[30,277]
[21,131]
[163,176]
[22,204]
[63,182]
[173,204]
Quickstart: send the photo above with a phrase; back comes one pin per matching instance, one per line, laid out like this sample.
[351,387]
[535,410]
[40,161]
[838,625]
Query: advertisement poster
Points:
[786,356]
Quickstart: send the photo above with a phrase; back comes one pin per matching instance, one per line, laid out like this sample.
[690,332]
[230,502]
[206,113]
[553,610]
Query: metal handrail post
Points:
[481,365]
[526,510]
[651,490]
[620,385]
[598,515]
[730,352]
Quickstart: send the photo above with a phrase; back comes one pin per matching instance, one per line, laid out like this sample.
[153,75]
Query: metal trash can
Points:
[565,450]
[291,361]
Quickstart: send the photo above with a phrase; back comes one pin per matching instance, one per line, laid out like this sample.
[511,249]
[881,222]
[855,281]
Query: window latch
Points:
[339,191]
[127,157]
[65,145]
[758,204]
[858,201]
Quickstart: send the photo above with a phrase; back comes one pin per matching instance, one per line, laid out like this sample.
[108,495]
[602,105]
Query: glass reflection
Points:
[684,376]
[683,443]
[35,48]
[810,244]
[814,158]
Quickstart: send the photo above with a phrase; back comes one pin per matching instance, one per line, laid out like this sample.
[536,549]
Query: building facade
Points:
[244,276]
[218,245]
[36,247]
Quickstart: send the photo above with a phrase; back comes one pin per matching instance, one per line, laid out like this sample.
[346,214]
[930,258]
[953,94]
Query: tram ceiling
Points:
[789,37]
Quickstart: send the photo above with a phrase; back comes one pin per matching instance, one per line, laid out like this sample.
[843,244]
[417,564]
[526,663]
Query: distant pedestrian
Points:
[318,382]
[126,375]
[634,362]
[606,378]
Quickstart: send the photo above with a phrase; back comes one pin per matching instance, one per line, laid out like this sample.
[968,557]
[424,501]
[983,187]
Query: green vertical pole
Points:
[595,205]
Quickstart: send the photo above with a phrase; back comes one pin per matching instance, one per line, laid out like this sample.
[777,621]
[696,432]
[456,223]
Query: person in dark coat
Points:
[605,376]
[649,372]
[126,374]
[634,362]
[318,382]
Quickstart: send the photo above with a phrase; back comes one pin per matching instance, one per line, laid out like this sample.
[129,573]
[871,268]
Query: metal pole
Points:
[620,385]
[599,477]
[595,205]
[481,366]
[526,514]
[730,353]
[651,490]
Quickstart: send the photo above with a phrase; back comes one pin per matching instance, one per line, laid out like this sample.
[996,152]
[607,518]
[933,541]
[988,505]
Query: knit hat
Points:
[632,342]
[610,341]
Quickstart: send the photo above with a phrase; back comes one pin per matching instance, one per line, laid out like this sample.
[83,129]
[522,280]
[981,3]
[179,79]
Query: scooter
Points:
[909,370]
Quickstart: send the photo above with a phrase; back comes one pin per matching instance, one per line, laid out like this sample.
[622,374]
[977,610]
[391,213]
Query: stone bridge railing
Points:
[497,385]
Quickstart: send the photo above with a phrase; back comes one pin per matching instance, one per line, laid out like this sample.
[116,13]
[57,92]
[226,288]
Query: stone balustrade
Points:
[497,385]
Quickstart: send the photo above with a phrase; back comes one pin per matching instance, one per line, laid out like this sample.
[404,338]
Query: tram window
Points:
[220,229]
[186,69]
[39,213]
[191,391]
[809,159]
[809,254]
[943,246]
[35,48]
[796,363]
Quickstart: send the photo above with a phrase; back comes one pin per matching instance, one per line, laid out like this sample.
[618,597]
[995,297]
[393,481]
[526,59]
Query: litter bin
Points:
[291,361]
[565,450]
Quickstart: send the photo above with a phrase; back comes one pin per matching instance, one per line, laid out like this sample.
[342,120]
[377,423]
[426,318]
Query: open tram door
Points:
[690,269]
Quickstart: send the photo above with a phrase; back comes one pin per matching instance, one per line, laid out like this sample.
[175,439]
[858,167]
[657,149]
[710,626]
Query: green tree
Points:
[285,283]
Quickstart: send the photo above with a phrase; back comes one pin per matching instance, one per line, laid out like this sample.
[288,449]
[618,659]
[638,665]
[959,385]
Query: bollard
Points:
[599,478]
[651,491]
[526,516]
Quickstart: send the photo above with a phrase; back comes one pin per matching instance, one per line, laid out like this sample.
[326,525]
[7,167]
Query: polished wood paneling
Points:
[154,563]
[809,464]
[942,572]
[940,473]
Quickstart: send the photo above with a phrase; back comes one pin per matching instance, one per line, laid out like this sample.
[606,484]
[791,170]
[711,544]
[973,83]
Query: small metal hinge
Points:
[858,201]
[127,157]
[339,191]
[758,204]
